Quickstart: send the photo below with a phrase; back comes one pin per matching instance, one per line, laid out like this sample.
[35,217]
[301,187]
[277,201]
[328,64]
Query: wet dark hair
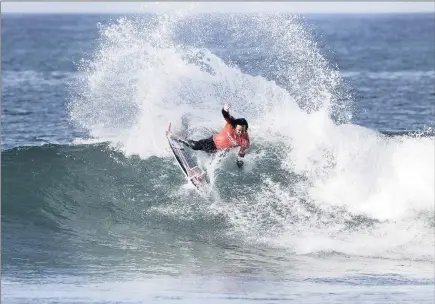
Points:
[241,121]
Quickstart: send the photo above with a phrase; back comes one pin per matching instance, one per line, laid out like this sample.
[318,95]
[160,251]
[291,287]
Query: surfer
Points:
[234,134]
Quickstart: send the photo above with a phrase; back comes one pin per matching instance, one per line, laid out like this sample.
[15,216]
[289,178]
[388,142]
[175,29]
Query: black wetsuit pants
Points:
[206,145]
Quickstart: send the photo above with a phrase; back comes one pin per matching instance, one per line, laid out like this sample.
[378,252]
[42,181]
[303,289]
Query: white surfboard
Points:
[192,171]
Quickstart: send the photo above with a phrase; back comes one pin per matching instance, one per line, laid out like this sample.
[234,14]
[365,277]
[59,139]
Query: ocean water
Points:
[336,200]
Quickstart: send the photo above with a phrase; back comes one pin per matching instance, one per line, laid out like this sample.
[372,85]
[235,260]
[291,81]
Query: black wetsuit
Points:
[206,145]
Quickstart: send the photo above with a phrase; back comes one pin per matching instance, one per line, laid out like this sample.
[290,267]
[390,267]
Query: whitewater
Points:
[321,183]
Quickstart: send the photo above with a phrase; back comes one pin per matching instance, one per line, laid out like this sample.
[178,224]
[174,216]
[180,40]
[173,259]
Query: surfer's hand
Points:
[239,163]
[226,107]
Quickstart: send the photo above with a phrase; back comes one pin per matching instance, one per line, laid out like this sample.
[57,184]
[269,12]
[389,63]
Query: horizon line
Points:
[343,7]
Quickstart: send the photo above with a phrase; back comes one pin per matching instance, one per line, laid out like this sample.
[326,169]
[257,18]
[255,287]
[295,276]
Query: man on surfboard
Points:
[234,134]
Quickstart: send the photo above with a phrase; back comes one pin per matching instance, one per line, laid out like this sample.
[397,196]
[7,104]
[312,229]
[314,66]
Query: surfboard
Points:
[191,170]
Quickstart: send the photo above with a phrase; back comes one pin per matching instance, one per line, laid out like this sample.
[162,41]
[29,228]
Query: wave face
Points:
[79,198]
[314,183]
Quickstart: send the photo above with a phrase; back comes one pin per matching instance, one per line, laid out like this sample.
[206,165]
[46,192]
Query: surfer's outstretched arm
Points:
[226,114]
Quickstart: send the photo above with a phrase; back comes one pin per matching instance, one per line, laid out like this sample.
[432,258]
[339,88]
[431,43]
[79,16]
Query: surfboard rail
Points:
[194,174]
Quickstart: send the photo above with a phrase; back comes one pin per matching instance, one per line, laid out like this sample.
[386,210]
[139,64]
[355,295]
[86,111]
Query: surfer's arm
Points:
[242,151]
[244,146]
[227,116]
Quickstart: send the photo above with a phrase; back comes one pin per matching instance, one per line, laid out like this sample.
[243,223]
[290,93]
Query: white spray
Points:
[344,188]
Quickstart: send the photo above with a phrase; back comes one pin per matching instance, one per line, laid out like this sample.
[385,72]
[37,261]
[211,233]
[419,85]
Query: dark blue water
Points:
[335,203]
[389,71]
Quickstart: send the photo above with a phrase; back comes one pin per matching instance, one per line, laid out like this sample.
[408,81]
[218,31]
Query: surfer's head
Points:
[241,126]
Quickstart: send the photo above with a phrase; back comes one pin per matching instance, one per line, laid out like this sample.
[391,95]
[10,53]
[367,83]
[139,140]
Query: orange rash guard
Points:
[227,139]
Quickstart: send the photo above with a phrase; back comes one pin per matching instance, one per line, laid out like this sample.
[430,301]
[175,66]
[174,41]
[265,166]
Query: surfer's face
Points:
[240,130]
